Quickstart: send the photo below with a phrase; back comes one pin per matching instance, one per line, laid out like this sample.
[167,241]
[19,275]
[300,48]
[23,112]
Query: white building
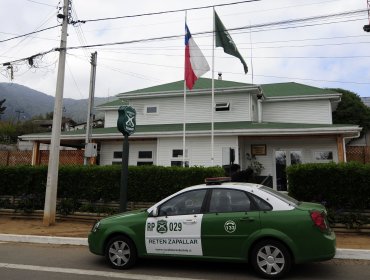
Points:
[281,124]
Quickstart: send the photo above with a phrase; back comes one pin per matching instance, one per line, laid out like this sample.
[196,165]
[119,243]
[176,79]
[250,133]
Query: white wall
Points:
[170,109]
[107,149]
[304,111]
[199,149]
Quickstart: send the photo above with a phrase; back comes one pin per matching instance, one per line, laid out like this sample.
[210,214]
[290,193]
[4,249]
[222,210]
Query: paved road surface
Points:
[44,262]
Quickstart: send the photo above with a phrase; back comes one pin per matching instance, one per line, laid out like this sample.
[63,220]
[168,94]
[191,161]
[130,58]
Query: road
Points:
[44,262]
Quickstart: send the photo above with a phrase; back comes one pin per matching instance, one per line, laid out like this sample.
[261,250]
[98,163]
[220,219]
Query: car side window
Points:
[261,204]
[183,204]
[226,200]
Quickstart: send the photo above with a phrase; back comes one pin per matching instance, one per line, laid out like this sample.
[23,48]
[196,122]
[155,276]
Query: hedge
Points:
[94,183]
[337,186]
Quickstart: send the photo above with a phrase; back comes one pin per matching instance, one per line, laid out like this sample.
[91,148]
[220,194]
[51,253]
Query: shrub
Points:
[93,183]
[338,186]
[343,188]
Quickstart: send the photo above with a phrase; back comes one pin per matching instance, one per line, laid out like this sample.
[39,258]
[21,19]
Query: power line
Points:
[285,22]
[230,29]
[171,37]
[40,3]
[165,12]
[315,80]
[27,34]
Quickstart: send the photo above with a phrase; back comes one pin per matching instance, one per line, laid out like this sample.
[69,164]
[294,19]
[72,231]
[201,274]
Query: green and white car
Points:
[224,221]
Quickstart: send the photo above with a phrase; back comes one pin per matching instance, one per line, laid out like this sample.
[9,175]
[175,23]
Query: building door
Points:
[283,159]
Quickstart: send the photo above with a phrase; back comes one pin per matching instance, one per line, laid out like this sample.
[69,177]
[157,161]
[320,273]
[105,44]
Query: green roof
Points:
[118,102]
[292,89]
[269,90]
[201,83]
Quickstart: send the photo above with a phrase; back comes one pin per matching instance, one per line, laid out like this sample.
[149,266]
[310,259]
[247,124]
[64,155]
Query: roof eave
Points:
[332,97]
[139,95]
[349,131]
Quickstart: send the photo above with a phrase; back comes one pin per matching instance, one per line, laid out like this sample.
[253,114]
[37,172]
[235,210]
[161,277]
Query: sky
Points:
[321,43]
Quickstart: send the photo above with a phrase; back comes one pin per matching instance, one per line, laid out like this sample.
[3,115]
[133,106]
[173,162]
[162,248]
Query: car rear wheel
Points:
[271,259]
[121,252]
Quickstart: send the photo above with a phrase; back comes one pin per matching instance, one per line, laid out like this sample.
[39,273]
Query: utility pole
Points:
[19,112]
[52,178]
[367,26]
[88,148]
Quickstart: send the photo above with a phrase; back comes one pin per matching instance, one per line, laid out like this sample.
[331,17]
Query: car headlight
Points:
[95,227]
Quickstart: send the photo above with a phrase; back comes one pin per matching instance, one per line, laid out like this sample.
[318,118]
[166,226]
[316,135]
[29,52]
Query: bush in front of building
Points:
[102,183]
[344,188]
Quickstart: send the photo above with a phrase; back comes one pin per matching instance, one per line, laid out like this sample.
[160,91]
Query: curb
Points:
[351,254]
[43,239]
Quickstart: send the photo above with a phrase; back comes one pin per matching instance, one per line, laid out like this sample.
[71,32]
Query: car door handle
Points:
[247,219]
[188,222]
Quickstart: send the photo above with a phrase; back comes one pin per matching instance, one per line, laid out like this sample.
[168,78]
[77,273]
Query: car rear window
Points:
[284,197]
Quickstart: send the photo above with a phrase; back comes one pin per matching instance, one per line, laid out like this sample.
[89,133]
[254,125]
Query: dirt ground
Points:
[82,229]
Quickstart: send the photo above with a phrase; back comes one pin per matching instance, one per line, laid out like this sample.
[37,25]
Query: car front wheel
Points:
[271,259]
[121,252]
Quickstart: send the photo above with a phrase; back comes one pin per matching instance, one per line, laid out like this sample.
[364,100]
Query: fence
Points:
[76,157]
[358,153]
[66,157]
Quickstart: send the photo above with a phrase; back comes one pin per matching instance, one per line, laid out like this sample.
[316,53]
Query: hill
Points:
[24,103]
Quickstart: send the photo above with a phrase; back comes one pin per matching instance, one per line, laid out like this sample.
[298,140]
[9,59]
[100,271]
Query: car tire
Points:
[271,259]
[120,252]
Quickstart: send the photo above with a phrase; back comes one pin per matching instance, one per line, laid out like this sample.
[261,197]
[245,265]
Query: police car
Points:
[219,220]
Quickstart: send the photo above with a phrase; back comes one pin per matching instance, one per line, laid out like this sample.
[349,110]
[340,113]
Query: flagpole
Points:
[250,39]
[184,120]
[213,91]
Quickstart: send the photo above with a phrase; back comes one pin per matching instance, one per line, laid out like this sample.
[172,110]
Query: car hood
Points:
[123,215]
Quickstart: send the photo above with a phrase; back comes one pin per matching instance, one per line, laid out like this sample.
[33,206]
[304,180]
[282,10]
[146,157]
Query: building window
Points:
[117,155]
[151,110]
[179,163]
[177,158]
[222,106]
[145,158]
[146,154]
[176,153]
[323,156]
[141,163]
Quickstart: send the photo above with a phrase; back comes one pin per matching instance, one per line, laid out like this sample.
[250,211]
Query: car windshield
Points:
[288,199]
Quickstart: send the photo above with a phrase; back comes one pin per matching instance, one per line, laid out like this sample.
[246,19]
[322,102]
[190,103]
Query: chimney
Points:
[220,76]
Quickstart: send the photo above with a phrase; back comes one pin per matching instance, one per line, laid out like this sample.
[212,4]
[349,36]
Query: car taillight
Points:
[319,220]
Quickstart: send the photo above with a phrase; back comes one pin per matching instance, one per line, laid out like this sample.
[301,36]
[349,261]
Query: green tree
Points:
[8,132]
[2,108]
[351,110]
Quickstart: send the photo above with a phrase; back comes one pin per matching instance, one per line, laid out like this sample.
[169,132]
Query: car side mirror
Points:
[155,212]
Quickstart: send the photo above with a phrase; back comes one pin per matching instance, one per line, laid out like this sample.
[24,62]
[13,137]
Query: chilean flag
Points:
[195,63]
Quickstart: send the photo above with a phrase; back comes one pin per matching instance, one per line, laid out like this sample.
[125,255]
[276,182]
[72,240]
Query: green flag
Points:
[223,39]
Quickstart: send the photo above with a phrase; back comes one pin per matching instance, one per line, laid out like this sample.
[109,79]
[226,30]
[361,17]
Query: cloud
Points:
[280,53]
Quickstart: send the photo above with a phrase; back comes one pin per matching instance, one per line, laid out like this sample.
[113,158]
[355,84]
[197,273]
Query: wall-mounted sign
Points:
[258,149]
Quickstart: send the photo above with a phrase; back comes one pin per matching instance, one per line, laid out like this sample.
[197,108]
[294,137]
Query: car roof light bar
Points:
[217,180]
